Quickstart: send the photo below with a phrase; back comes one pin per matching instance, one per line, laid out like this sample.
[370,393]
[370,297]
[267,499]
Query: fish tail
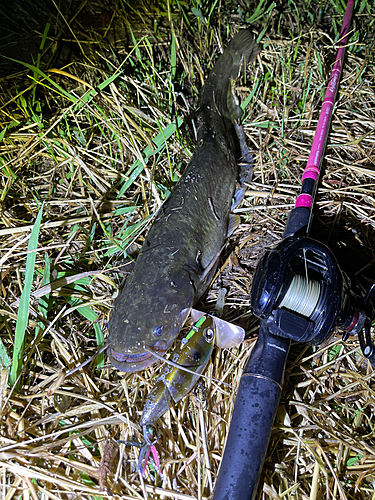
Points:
[217,91]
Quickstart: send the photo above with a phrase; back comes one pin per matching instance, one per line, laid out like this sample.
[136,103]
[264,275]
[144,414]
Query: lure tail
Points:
[217,91]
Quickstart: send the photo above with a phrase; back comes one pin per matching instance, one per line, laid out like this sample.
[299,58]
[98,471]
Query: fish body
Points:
[174,383]
[180,253]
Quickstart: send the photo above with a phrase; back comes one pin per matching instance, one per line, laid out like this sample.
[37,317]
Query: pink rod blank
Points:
[312,169]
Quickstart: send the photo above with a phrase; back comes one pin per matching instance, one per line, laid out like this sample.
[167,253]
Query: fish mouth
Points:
[135,362]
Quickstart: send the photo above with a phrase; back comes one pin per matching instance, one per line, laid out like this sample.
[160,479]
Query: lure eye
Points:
[158,330]
[197,356]
[209,335]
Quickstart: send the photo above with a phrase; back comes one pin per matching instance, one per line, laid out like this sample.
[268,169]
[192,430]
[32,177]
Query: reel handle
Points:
[253,417]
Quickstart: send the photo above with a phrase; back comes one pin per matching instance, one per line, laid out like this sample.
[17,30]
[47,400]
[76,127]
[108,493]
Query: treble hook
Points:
[146,447]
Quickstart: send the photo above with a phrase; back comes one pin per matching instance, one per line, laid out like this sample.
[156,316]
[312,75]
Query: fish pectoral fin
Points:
[239,195]
[246,165]
[233,104]
[246,158]
[211,264]
[234,222]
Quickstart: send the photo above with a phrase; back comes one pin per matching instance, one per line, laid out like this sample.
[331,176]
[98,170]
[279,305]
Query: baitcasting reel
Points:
[302,294]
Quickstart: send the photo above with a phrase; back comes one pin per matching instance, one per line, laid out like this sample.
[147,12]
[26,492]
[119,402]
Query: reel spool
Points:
[302,294]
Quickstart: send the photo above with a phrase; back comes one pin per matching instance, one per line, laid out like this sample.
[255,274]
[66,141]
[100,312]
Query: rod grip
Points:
[253,416]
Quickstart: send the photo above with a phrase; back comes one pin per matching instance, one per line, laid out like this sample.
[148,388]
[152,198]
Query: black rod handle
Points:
[253,416]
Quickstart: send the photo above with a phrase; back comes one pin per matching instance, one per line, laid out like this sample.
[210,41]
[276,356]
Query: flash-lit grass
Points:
[98,126]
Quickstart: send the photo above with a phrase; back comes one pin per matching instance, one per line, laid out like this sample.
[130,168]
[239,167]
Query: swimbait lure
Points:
[175,382]
[180,253]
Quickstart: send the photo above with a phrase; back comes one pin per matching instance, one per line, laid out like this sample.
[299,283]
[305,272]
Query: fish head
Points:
[148,320]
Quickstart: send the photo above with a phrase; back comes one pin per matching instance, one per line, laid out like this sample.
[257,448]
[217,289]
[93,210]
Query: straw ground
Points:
[97,127]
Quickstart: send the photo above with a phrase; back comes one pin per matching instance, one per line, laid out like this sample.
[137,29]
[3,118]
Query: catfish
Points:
[180,254]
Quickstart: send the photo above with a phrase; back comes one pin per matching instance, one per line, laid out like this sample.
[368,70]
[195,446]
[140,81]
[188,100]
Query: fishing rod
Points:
[299,293]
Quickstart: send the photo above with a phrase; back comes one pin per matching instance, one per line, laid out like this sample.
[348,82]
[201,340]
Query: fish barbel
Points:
[180,253]
[174,383]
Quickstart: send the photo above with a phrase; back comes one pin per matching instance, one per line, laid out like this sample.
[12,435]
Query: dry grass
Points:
[75,150]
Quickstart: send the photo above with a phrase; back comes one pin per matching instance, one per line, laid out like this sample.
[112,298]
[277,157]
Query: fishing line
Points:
[180,367]
[302,296]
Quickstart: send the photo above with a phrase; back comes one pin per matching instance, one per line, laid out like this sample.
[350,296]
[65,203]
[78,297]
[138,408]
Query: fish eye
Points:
[158,330]
[209,334]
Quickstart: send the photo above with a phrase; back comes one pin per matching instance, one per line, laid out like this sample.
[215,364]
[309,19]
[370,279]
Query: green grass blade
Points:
[2,133]
[160,143]
[92,316]
[93,93]
[261,11]
[42,43]
[23,310]
[125,236]
[37,71]
[198,13]
[173,56]
[249,97]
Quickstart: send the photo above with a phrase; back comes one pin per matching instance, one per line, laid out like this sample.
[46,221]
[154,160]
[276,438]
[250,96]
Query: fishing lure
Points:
[175,382]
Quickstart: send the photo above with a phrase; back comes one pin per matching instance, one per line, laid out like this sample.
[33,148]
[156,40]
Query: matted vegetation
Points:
[97,126]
